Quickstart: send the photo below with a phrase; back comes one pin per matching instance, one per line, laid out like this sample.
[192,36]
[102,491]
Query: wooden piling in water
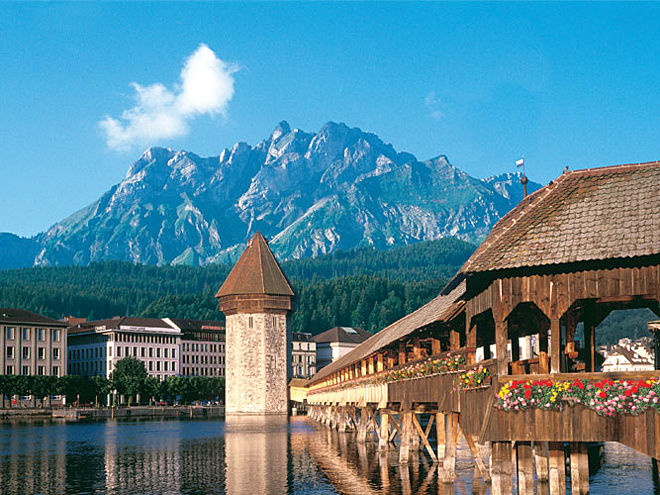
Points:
[579,468]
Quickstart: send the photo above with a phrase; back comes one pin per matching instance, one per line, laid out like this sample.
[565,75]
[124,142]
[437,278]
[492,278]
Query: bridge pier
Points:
[557,468]
[525,467]
[406,432]
[541,461]
[579,468]
[384,431]
[501,468]
[451,442]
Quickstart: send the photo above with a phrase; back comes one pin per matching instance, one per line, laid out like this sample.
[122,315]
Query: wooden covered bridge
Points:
[506,353]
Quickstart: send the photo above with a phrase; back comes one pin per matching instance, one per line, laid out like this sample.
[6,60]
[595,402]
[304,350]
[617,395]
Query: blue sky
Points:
[563,84]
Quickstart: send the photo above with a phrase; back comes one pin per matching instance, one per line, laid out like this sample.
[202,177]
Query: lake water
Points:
[242,457]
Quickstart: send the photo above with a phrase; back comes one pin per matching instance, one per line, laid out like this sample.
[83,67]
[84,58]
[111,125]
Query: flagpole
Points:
[523,179]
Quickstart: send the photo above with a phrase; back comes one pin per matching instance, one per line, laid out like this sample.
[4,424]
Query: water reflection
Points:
[246,456]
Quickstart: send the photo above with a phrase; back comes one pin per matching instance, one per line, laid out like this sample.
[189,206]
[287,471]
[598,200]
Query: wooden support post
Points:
[406,434]
[343,421]
[402,353]
[543,348]
[379,363]
[555,345]
[501,468]
[525,468]
[541,461]
[451,440]
[556,467]
[384,431]
[501,341]
[436,347]
[590,335]
[477,453]
[362,426]
[417,348]
[579,468]
[414,438]
[454,340]
[390,359]
[471,342]
[440,434]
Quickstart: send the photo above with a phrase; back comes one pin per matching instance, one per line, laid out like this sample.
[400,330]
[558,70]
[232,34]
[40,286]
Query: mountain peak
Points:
[282,129]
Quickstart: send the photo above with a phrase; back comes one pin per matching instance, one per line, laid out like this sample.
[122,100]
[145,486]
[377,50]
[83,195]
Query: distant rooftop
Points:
[14,316]
[347,335]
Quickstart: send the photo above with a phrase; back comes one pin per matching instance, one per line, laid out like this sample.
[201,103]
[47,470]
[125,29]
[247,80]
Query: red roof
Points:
[256,272]
[584,215]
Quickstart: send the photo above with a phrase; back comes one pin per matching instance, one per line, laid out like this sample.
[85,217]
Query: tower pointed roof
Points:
[256,272]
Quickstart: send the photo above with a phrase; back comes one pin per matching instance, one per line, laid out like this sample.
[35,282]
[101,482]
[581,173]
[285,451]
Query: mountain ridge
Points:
[309,193]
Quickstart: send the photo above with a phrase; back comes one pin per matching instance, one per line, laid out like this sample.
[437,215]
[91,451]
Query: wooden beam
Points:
[417,348]
[402,353]
[501,341]
[579,468]
[525,468]
[555,345]
[471,342]
[436,346]
[384,431]
[440,433]
[478,457]
[406,435]
[590,335]
[501,468]
[541,461]
[556,468]
[454,340]
[451,441]
[422,436]
[396,429]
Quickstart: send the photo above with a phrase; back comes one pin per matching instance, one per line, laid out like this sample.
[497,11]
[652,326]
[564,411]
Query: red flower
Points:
[528,394]
[602,395]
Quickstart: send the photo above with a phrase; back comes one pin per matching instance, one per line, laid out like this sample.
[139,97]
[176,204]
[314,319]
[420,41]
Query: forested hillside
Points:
[360,287]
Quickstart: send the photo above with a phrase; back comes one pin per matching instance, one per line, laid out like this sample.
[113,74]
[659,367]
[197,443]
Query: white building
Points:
[628,358]
[95,347]
[303,359]
[336,342]
[202,346]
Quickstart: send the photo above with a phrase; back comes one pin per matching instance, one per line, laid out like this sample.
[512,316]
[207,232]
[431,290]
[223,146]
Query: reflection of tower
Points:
[256,455]
[257,300]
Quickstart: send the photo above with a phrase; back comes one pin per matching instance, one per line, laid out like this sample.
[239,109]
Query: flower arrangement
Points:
[474,378]
[605,397]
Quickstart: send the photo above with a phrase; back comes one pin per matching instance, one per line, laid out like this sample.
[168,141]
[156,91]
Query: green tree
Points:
[128,377]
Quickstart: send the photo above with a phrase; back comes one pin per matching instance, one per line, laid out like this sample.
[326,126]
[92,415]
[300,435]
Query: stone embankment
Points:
[77,413]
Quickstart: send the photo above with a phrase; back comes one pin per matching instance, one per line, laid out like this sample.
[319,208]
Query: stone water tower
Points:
[257,300]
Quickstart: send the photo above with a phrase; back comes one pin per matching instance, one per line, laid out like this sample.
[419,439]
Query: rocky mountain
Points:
[308,193]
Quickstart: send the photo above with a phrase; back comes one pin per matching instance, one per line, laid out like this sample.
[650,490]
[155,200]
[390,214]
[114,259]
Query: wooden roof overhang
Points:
[443,308]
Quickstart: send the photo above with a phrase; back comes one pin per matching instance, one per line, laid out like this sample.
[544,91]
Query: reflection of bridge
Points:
[533,292]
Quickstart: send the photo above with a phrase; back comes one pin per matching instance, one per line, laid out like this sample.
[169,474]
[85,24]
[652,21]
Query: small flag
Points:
[520,162]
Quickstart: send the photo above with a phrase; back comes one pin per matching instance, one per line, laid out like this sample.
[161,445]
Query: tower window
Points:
[250,322]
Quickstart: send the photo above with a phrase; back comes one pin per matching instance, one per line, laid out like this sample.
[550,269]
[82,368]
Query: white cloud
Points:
[433,103]
[206,87]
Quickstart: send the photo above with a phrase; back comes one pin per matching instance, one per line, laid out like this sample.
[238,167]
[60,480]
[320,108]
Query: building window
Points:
[250,322]
[41,334]
[165,366]
[41,352]
[41,370]
[173,353]
[151,352]
[164,352]
[157,365]
[135,354]
[151,365]
[56,335]
[10,352]
[26,353]
[26,370]
[26,334]
[10,333]
[158,352]
[10,370]
[274,321]
[56,371]
[56,353]
[118,351]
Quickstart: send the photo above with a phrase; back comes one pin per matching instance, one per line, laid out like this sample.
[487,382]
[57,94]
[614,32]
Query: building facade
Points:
[337,342]
[32,344]
[257,301]
[95,347]
[303,358]
[202,346]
